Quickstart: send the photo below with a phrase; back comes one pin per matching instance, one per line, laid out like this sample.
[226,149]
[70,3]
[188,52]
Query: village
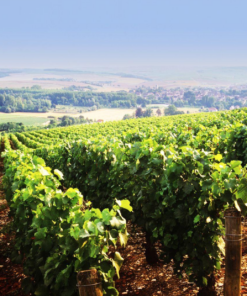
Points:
[208,99]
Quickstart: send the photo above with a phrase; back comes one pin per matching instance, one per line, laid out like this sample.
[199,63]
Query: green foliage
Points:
[58,233]
[178,196]
[127,116]
[148,112]
[172,110]
[12,127]
[37,100]
[179,173]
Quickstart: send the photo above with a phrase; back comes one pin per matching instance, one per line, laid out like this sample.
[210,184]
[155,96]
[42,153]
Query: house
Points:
[100,120]
[212,109]
[234,107]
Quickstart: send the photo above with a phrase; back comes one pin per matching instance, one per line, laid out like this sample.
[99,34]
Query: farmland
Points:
[25,118]
[33,118]
[177,173]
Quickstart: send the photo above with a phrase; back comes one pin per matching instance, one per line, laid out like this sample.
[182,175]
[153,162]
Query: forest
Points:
[36,100]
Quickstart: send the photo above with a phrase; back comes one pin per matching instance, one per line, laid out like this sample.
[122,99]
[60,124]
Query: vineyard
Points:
[71,191]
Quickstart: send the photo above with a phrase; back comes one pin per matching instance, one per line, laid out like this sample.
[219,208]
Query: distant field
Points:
[190,109]
[25,118]
[108,114]
[41,118]
[105,114]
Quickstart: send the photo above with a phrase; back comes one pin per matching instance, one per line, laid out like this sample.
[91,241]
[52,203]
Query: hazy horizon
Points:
[82,34]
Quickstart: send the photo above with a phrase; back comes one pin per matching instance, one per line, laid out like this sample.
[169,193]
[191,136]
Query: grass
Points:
[25,118]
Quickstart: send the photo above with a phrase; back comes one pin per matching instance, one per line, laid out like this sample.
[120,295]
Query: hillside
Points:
[177,173]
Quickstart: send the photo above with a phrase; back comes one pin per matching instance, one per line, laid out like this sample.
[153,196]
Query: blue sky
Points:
[118,33]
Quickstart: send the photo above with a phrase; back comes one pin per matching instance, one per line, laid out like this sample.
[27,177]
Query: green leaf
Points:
[84,233]
[41,233]
[123,238]
[91,227]
[101,227]
[190,233]
[236,166]
[218,157]
[204,281]
[59,174]
[117,222]
[71,192]
[230,183]
[105,266]
[43,171]
[117,262]
[218,265]
[197,219]
[125,204]
[38,160]
[106,216]
[94,251]
[242,190]
[74,232]
[113,234]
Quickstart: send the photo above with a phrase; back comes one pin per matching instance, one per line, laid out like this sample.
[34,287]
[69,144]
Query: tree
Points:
[139,112]
[158,112]
[36,87]
[190,97]
[170,110]
[2,100]
[211,101]
[53,123]
[127,116]
[148,112]
[208,101]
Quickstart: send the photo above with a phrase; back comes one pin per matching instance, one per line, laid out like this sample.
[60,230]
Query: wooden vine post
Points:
[232,284]
[89,283]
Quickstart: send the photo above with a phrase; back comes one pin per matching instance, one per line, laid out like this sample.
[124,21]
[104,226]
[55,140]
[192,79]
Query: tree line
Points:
[36,100]
[12,127]
[68,120]
[139,113]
